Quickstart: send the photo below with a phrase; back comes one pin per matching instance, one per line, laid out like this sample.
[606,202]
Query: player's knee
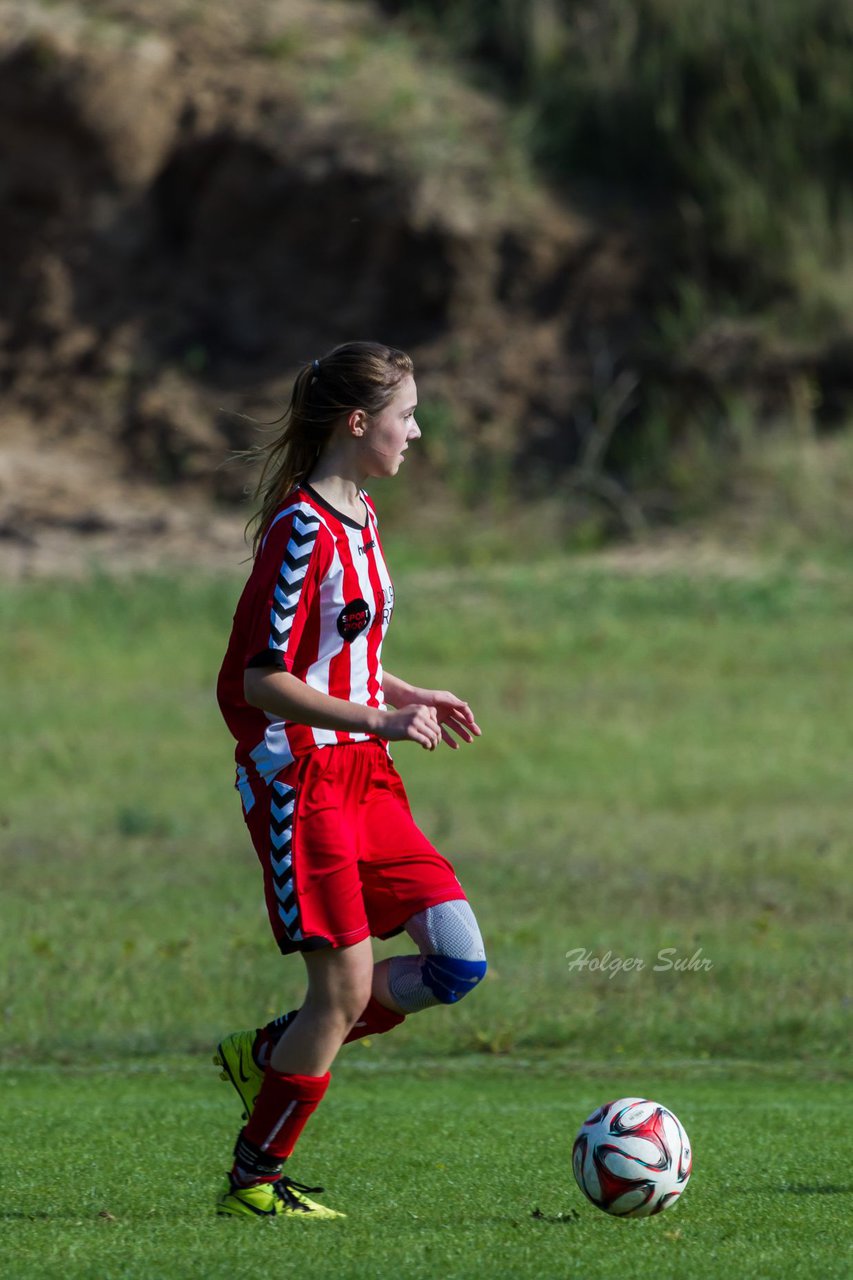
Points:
[340,989]
[353,999]
[450,979]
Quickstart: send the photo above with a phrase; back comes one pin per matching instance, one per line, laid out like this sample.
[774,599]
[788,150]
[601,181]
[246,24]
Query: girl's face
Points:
[386,436]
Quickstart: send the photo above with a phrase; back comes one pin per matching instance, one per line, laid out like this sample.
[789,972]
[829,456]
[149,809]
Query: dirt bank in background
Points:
[198,198]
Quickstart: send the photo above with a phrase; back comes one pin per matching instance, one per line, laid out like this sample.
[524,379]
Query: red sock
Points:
[281,1112]
[374,1021]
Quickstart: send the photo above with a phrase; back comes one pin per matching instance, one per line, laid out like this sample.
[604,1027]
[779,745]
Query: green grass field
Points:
[665,767]
[453,1169]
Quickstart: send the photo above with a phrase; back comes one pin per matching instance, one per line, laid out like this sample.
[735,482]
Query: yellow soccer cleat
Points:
[235,1056]
[282,1199]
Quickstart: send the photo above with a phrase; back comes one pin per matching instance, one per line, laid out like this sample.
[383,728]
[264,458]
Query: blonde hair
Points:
[356,375]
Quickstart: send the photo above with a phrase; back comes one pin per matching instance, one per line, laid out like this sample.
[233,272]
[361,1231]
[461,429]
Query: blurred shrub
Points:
[738,113]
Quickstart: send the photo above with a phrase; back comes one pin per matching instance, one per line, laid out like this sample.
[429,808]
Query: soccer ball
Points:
[632,1158]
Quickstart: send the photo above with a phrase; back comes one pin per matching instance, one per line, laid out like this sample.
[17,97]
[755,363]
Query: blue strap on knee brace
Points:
[449,979]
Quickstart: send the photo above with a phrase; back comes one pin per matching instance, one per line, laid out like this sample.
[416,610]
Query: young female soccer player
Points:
[303,691]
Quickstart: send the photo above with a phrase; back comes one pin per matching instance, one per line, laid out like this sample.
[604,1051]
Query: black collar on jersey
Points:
[339,515]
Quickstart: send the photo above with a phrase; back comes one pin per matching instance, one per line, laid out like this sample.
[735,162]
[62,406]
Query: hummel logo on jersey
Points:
[353,619]
[363,548]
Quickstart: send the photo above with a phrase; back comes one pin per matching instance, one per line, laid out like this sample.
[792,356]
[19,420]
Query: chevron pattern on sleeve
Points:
[281,841]
[291,576]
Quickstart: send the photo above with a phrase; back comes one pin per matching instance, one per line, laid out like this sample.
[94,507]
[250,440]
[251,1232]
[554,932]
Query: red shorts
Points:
[342,857]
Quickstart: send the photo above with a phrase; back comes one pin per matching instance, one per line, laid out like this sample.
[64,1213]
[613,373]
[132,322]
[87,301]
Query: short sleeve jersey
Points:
[317,604]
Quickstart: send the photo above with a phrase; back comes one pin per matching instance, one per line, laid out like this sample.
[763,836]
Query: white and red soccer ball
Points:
[632,1158]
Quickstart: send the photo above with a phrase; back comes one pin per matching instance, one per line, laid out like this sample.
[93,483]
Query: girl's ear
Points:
[357,422]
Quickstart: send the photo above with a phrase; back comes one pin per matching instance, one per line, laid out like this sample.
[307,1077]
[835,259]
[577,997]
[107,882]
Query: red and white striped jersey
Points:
[317,603]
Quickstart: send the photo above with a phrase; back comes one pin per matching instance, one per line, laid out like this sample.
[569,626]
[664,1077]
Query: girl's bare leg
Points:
[339,986]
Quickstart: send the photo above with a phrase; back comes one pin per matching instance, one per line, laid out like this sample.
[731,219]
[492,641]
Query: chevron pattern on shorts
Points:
[291,575]
[282,801]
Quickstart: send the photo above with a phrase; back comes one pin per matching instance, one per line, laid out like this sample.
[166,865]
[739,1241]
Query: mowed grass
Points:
[455,1169]
[662,789]
[665,767]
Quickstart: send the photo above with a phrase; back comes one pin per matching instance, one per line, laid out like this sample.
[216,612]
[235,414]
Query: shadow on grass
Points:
[10,1215]
[817,1189]
[562,1218]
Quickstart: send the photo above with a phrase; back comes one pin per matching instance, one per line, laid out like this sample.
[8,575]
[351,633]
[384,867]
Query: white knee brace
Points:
[452,959]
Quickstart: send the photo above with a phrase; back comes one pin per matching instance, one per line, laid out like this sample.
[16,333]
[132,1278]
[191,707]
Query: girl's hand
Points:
[451,713]
[412,723]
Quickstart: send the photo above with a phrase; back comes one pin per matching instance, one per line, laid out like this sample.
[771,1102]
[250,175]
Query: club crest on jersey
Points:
[353,619]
